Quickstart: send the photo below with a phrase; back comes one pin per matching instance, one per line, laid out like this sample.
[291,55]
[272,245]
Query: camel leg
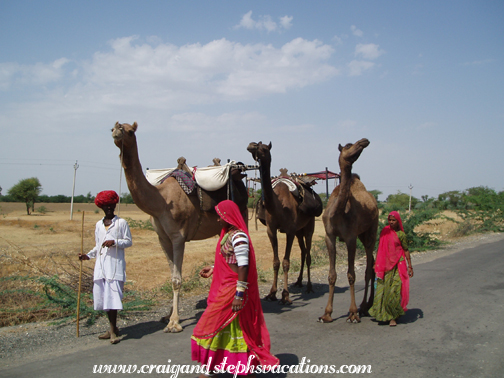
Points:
[286,265]
[276,265]
[178,256]
[175,262]
[304,237]
[369,243]
[301,243]
[331,250]
[309,229]
[353,316]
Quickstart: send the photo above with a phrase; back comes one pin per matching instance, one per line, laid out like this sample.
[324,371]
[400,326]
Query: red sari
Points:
[391,253]
[219,313]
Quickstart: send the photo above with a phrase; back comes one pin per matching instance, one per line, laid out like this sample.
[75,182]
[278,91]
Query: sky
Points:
[422,80]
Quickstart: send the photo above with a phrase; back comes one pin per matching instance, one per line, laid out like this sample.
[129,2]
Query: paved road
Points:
[454,328]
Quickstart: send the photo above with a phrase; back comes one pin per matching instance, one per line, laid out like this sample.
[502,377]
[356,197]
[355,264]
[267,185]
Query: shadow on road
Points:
[411,316]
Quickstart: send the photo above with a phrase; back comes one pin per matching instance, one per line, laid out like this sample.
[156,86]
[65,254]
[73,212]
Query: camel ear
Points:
[134,126]
[340,148]
[269,146]
[117,124]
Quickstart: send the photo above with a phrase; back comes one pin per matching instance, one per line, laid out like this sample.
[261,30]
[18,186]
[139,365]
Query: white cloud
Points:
[356,32]
[264,23]
[36,74]
[220,68]
[368,51]
[204,123]
[357,67]
[137,77]
[337,40]
[286,22]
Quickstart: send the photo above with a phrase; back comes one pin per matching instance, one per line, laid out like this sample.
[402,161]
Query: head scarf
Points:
[396,215]
[107,197]
[219,311]
[389,255]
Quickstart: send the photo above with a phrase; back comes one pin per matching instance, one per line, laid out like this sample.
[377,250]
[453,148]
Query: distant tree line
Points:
[28,191]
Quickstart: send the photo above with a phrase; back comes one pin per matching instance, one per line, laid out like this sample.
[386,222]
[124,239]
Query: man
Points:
[112,236]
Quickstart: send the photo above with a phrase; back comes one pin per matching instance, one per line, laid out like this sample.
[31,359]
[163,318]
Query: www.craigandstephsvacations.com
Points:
[304,367]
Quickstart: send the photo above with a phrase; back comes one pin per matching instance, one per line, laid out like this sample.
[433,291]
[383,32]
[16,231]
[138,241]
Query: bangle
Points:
[239,294]
[241,285]
[239,298]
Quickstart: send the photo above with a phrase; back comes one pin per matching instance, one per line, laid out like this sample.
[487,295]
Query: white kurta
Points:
[110,263]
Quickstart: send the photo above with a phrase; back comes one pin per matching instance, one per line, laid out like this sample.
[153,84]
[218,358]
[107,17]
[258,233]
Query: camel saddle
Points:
[206,180]
[310,202]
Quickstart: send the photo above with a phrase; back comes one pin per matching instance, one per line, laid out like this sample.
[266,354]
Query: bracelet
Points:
[239,298]
[239,294]
[241,286]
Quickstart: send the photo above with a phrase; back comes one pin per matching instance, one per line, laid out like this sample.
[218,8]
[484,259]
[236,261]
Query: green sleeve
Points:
[402,238]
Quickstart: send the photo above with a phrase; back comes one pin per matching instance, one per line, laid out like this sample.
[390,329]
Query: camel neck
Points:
[145,195]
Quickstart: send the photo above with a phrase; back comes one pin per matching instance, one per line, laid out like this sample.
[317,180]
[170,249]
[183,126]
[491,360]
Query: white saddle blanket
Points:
[209,178]
[292,187]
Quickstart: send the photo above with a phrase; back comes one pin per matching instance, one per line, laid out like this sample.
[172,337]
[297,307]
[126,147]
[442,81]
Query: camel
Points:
[351,213]
[176,217]
[283,214]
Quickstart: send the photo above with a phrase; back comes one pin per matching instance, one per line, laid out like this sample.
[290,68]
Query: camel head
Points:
[351,152]
[124,134]
[260,151]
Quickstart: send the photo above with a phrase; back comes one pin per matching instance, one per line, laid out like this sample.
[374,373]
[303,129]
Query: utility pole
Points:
[410,187]
[73,189]
[327,184]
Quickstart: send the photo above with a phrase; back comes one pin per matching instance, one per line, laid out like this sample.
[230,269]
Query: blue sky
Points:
[422,80]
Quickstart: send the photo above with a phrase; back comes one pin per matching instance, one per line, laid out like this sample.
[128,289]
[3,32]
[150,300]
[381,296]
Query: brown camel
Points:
[351,213]
[283,214]
[176,217]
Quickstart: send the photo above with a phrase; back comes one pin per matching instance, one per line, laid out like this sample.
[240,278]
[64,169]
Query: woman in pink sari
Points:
[392,286]
[232,331]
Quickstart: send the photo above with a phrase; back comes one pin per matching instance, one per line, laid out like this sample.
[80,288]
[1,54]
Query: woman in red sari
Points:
[392,286]
[232,331]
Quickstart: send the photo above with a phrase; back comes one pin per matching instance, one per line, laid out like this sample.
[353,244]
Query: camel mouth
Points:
[252,148]
[364,142]
[117,132]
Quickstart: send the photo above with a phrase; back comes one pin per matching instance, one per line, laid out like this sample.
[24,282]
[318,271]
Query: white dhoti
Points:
[107,295]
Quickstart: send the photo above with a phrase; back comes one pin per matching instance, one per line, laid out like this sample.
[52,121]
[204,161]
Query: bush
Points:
[416,241]
[41,209]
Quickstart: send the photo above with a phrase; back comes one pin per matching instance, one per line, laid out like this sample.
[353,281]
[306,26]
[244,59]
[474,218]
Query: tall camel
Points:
[175,216]
[351,213]
[283,214]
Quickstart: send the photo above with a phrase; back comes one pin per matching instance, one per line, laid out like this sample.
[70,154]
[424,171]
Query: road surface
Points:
[454,328]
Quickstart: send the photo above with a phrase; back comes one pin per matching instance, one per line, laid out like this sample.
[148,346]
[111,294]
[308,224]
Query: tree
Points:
[126,198]
[450,200]
[400,201]
[375,193]
[27,191]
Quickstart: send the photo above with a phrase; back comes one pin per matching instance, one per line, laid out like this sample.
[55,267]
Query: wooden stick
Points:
[80,275]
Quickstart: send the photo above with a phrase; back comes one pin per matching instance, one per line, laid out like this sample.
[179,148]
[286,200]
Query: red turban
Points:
[107,197]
